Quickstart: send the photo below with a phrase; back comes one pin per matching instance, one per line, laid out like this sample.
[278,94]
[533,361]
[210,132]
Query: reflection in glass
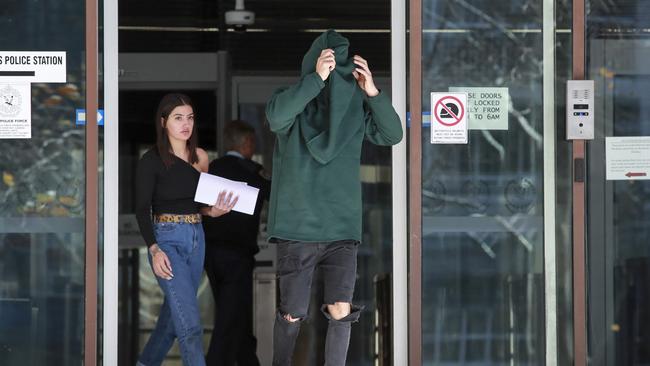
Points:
[42,198]
[619,264]
[482,203]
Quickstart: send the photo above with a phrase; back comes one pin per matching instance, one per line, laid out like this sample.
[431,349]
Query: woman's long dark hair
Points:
[166,106]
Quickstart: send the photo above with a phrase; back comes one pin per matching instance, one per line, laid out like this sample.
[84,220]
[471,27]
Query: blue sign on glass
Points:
[81,117]
[426,119]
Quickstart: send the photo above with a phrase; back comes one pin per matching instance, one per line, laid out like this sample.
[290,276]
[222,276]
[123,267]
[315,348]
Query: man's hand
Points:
[161,265]
[364,77]
[325,63]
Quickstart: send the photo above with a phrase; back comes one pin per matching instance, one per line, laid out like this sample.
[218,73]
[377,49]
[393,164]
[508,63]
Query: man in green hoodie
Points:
[315,206]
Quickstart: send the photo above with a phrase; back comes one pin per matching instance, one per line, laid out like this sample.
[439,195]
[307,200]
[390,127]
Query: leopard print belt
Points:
[187,219]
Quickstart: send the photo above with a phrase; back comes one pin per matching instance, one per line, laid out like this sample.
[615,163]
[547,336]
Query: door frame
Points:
[579,162]
[111,185]
[415,184]
[400,320]
[91,230]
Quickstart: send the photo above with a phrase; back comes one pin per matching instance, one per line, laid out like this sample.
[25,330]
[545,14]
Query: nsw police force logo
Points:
[10,101]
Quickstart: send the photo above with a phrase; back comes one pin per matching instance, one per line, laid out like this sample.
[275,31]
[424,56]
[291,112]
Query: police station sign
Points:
[487,108]
[32,67]
[18,69]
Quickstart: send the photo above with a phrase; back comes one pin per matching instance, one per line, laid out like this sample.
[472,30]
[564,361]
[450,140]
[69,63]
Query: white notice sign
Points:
[448,118]
[32,67]
[15,111]
[487,108]
[627,158]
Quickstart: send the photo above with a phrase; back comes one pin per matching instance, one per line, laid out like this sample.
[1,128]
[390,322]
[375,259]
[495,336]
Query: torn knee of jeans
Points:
[355,313]
[289,318]
[337,310]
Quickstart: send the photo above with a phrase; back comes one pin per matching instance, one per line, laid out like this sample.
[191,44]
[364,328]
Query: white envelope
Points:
[211,185]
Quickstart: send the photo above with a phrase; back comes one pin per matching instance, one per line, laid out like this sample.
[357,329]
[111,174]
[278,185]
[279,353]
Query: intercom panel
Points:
[580,109]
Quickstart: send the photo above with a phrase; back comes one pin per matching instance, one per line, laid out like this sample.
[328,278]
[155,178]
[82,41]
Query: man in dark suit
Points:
[231,244]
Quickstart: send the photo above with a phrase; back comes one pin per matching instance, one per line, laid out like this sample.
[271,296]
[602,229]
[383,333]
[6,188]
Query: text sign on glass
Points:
[487,108]
[448,118]
[627,158]
[15,111]
[32,67]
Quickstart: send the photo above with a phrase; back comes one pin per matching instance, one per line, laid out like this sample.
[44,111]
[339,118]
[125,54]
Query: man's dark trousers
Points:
[231,244]
[297,262]
[230,272]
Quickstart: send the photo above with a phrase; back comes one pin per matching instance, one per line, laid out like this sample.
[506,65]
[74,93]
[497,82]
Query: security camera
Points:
[240,17]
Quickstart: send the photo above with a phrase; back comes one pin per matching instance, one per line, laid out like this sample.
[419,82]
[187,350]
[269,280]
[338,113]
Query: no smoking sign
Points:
[448,118]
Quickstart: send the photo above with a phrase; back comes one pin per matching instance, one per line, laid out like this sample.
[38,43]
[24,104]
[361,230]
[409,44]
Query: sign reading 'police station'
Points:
[32,67]
[18,69]
[487,108]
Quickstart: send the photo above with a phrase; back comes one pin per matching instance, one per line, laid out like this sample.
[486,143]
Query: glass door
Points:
[43,171]
[482,231]
[618,213]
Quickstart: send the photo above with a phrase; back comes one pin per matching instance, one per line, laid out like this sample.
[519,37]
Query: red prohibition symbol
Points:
[457,118]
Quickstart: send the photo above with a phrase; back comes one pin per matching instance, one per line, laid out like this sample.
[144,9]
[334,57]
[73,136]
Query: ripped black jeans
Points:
[297,262]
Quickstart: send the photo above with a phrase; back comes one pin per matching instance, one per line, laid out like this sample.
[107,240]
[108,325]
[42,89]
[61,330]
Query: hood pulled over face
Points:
[336,115]
[340,45]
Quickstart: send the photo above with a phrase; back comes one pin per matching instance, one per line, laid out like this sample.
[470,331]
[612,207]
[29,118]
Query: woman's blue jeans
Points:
[179,317]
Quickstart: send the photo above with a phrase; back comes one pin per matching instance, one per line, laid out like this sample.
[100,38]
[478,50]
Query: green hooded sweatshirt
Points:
[320,127]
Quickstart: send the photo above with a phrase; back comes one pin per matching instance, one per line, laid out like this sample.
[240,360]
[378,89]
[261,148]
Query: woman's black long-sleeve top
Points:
[162,190]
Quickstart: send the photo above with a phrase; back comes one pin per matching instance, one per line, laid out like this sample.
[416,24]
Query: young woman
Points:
[170,222]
